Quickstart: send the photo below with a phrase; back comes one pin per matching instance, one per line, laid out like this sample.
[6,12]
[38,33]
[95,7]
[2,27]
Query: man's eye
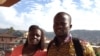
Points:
[64,24]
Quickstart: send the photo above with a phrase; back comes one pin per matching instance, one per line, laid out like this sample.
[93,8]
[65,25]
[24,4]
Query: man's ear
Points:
[71,26]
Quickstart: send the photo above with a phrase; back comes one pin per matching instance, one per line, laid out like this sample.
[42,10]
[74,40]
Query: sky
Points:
[85,14]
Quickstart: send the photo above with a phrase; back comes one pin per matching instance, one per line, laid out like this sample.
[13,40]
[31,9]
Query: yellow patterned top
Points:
[67,49]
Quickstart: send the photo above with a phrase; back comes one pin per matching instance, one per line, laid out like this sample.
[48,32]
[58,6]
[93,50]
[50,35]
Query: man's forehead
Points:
[66,16]
[62,18]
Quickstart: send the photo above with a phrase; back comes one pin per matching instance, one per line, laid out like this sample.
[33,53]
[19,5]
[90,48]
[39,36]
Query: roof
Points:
[8,3]
[7,35]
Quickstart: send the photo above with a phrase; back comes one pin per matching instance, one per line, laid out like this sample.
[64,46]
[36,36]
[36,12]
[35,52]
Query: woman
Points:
[34,45]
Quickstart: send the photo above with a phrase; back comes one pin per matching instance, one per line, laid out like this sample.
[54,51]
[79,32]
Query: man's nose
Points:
[35,36]
[59,26]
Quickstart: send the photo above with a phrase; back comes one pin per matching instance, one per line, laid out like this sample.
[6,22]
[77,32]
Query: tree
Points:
[10,30]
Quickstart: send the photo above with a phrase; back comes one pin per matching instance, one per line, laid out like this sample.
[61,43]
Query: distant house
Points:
[7,41]
[10,38]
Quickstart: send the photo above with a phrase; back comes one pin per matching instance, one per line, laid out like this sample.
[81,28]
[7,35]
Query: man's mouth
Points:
[59,30]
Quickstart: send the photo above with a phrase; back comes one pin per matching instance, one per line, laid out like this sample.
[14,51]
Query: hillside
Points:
[89,35]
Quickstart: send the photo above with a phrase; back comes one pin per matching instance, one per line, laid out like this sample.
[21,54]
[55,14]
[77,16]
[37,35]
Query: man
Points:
[63,44]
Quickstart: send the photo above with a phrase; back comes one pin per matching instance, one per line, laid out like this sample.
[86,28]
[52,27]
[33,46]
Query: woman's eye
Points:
[38,35]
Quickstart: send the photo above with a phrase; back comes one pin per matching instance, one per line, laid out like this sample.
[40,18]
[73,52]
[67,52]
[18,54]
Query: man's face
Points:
[61,25]
[34,37]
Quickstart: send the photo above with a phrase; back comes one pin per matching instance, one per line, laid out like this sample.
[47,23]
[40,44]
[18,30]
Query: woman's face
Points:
[34,37]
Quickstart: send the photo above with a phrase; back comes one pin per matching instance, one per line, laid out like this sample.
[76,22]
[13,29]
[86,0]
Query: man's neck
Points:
[60,39]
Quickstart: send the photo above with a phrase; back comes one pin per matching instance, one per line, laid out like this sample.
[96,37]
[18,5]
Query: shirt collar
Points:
[68,38]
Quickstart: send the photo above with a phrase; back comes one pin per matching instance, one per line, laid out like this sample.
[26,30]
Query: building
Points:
[7,42]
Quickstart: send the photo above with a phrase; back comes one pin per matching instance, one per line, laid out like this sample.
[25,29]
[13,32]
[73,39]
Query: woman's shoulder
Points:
[18,47]
[17,50]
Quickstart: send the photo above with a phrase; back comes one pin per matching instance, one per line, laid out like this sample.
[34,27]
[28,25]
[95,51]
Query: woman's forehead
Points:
[35,31]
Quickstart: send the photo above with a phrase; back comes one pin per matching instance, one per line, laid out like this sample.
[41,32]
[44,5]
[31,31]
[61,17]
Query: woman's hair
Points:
[41,43]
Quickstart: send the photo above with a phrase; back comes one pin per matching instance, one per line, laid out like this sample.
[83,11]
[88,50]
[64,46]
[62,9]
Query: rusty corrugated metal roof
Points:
[6,35]
[9,3]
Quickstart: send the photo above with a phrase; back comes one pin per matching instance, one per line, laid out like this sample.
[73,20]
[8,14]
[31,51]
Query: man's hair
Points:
[60,14]
[41,43]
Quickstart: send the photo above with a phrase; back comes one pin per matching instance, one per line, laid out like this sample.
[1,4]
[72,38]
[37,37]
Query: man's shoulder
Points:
[51,42]
[82,41]
[86,45]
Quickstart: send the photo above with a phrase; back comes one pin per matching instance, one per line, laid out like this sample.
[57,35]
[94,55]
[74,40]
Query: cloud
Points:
[85,14]
[10,15]
[87,3]
[87,19]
